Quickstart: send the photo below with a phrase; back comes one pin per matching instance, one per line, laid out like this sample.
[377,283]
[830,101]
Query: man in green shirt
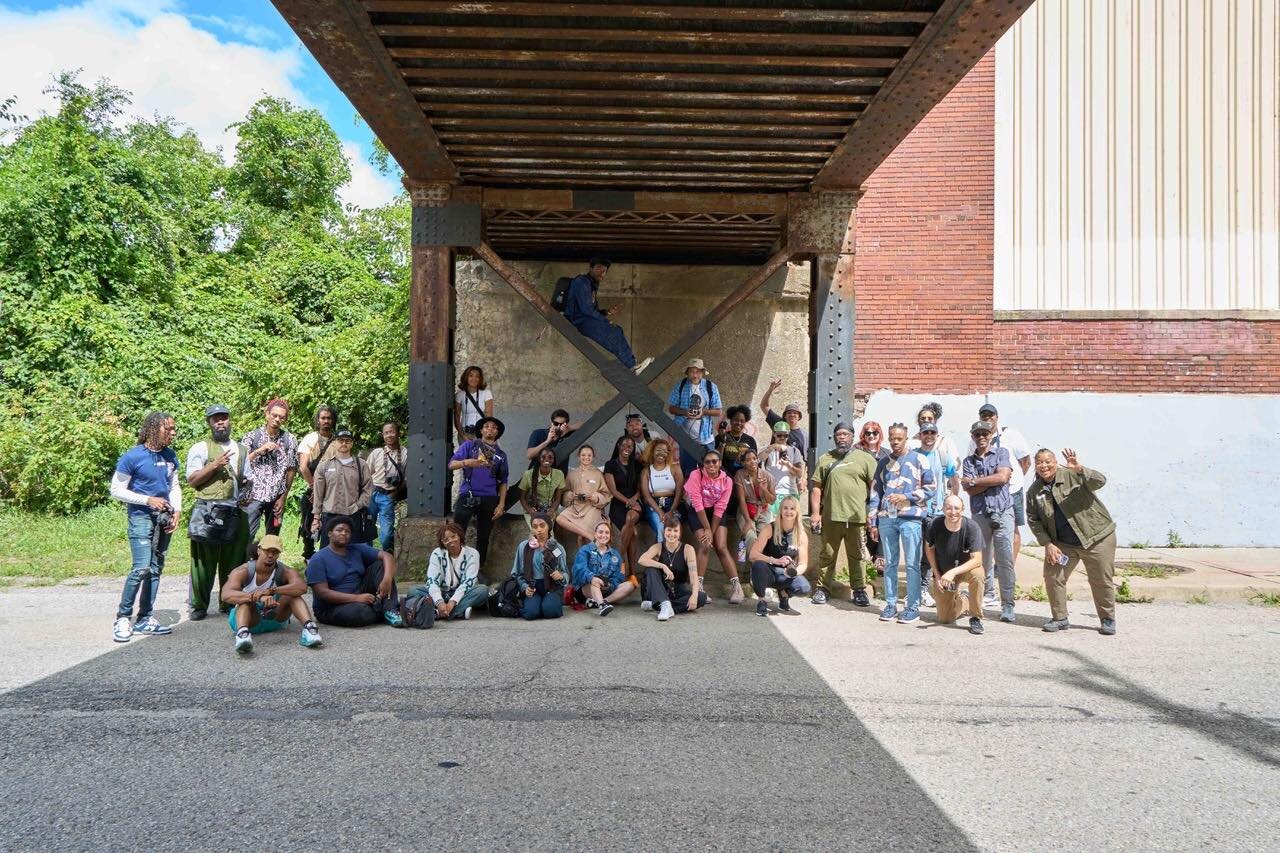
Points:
[838,495]
[220,532]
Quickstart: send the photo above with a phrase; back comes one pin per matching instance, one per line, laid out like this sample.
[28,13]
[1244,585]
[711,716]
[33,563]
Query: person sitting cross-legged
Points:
[779,557]
[453,575]
[671,584]
[597,572]
[353,585]
[953,548]
[539,566]
[264,593]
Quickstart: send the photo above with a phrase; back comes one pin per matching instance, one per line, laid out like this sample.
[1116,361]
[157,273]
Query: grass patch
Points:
[1140,546]
[59,547]
[5,582]
[1265,599]
[1124,595]
[1175,541]
[1036,593]
[1157,571]
[1199,598]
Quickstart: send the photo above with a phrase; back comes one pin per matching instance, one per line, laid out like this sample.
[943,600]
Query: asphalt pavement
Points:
[825,730]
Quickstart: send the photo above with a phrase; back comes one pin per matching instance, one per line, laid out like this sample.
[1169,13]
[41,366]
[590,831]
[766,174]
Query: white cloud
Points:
[368,187]
[171,68]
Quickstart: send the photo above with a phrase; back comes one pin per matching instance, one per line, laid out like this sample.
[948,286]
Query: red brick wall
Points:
[923,277]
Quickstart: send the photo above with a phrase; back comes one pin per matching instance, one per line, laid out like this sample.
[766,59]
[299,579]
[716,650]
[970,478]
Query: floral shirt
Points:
[266,473]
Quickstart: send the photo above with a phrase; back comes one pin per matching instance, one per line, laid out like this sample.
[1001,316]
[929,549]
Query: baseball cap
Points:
[930,427]
[343,433]
[271,542]
[987,409]
[215,410]
[781,426]
[982,426]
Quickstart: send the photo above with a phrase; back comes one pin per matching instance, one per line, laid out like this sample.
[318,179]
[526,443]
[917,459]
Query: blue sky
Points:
[200,62]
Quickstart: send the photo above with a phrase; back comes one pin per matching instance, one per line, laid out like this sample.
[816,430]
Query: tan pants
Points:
[835,533]
[951,603]
[1099,563]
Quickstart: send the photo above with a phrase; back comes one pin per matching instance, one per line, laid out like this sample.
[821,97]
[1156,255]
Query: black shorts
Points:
[618,513]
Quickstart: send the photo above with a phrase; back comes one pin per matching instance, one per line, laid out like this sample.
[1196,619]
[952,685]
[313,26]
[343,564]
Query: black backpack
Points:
[505,600]
[560,296]
[418,611]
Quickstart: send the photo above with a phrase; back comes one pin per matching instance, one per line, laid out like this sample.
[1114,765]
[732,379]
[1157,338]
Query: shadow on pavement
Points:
[1253,738]
[707,731]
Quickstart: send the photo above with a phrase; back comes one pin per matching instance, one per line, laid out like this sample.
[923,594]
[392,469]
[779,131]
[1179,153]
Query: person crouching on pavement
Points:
[1074,527]
[539,566]
[353,585]
[265,593]
[779,557]
[953,549]
[597,572]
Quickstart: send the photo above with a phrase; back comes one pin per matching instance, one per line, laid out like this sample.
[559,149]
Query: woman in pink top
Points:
[709,491]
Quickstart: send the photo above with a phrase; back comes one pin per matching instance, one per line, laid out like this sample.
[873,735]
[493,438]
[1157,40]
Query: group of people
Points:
[952,520]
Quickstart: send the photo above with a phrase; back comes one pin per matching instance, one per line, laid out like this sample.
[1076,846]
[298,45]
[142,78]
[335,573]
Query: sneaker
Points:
[310,637]
[926,599]
[466,614]
[908,615]
[665,612]
[640,368]
[606,609]
[198,615]
[735,591]
[889,613]
[1055,625]
[860,599]
[784,603]
[762,608]
[393,618]
[646,606]
[990,599]
[123,630]
[1006,613]
[975,625]
[591,604]
[820,596]
[244,641]
[1108,627]
[151,627]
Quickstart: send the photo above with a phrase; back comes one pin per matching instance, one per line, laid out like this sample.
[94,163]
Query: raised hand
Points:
[1072,462]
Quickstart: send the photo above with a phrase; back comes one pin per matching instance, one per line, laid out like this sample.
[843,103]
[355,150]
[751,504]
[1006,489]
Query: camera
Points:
[393,481]
[470,501]
[164,518]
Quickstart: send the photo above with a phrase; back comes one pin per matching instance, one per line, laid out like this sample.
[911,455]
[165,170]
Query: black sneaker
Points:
[975,625]
[860,599]
[197,615]
[784,602]
[762,608]
[606,609]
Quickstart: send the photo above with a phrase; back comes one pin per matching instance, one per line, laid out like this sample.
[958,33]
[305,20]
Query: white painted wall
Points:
[1206,466]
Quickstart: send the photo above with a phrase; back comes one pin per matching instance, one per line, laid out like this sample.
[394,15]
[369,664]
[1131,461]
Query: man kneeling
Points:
[953,546]
[353,585]
[265,593]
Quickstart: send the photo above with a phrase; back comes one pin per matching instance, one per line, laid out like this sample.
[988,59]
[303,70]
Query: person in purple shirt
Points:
[985,478]
[582,311]
[485,471]
[901,489]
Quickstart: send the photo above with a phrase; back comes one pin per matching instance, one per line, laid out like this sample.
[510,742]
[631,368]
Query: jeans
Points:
[765,575]
[654,519]
[900,537]
[545,603]
[688,463]
[383,507]
[608,335]
[147,546]
[997,541]
[926,574]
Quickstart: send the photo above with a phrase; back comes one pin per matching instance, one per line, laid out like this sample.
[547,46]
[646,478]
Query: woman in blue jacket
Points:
[597,572]
[539,567]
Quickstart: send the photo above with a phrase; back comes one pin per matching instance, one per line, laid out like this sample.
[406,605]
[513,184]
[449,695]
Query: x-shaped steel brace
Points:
[629,386]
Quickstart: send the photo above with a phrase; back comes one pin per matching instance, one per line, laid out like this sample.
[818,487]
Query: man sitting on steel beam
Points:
[582,311]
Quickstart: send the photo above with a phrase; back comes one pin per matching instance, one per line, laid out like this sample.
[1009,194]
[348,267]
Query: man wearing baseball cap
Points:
[265,593]
[217,529]
[985,478]
[342,487]
[1020,459]
[791,413]
[696,404]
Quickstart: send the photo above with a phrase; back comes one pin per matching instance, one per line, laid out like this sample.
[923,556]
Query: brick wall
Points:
[923,276]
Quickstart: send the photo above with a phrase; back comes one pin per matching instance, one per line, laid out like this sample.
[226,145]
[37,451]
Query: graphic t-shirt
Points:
[731,450]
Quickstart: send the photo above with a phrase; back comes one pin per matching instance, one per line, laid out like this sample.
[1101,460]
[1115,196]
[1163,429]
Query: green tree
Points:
[289,160]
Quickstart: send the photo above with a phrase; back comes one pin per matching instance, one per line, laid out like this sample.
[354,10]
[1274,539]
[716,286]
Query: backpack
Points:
[560,295]
[711,390]
[505,600]
[418,611]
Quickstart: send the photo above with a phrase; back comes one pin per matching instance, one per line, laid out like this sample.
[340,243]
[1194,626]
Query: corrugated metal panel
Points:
[1137,152]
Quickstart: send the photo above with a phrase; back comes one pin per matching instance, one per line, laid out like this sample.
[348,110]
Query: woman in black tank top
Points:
[669,586]
[779,557]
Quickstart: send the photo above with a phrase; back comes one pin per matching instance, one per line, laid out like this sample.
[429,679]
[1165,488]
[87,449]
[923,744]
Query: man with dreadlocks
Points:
[146,480]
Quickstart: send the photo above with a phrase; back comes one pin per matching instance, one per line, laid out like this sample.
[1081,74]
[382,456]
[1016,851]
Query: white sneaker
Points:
[466,614]
[309,638]
[926,599]
[123,630]
[639,368]
[735,591]
[665,612]
[990,599]
[646,606]
[244,642]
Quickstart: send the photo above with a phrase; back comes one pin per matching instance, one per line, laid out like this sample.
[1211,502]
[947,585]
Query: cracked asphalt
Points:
[827,730]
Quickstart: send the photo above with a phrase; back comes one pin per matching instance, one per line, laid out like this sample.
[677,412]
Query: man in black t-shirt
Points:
[953,546]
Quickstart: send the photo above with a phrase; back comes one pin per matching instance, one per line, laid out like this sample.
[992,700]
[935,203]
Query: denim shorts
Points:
[1020,509]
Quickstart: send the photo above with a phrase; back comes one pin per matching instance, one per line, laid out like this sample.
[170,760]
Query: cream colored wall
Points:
[1138,156]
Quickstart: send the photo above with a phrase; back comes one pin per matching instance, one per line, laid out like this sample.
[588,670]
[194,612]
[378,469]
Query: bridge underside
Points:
[687,131]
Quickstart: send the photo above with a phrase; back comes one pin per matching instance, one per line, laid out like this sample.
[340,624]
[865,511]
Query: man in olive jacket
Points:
[1074,527]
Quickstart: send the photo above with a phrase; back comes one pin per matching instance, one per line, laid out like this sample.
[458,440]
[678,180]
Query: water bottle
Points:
[742,550]
[893,509]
